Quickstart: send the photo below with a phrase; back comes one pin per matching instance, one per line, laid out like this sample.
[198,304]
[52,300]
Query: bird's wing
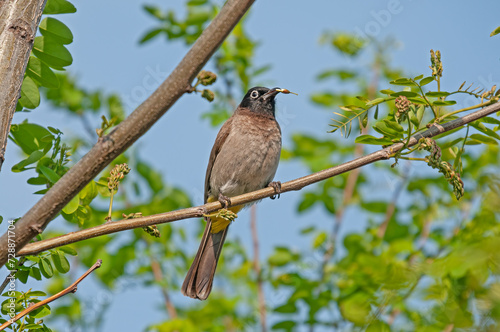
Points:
[219,142]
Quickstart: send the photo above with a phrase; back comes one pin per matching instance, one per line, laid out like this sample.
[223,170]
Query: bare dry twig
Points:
[257,268]
[71,289]
[293,185]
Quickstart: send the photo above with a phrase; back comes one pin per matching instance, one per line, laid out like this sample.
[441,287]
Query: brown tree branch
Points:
[158,275]
[256,265]
[18,24]
[294,185]
[126,133]
[71,289]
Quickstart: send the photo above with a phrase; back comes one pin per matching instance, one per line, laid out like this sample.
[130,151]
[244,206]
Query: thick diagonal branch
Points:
[297,184]
[111,146]
[18,24]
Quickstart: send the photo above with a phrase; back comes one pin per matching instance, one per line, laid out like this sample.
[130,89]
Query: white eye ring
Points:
[254,94]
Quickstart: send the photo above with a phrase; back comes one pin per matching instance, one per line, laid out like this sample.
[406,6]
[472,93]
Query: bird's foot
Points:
[276,185]
[224,201]
[220,219]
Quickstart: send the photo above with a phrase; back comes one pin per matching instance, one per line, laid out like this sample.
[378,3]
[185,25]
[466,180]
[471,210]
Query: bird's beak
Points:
[271,94]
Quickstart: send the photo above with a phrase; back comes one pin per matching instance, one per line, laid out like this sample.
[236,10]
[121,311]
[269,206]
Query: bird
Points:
[244,158]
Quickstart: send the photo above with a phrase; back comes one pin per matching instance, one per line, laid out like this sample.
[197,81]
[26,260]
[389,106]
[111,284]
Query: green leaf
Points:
[375,206]
[368,139]
[68,250]
[382,128]
[443,102]
[403,81]
[417,100]
[495,32]
[378,101]
[286,308]
[56,29]
[36,294]
[324,99]
[35,273]
[485,130]
[46,267]
[30,96]
[29,136]
[405,93]
[280,257]
[378,326]
[41,180]
[60,261]
[41,73]
[356,308]
[154,11]
[489,119]
[72,205]
[308,200]
[41,312]
[418,77]
[483,139]
[150,34]
[343,75]
[284,325]
[33,157]
[319,240]
[386,92]
[437,94]
[59,7]
[420,113]
[394,125]
[413,118]
[426,80]
[22,276]
[49,173]
[451,143]
[52,52]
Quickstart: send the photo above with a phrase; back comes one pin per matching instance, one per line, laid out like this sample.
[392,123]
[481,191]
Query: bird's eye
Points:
[254,94]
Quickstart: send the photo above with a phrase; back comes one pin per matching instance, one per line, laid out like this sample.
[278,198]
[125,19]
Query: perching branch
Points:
[297,184]
[127,132]
[71,289]
[18,24]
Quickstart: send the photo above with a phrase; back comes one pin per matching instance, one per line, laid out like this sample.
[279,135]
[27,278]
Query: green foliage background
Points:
[425,261]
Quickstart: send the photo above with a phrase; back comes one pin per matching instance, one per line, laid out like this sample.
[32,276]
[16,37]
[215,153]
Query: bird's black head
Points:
[260,100]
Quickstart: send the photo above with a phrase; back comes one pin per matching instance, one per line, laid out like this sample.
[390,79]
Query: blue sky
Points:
[107,55]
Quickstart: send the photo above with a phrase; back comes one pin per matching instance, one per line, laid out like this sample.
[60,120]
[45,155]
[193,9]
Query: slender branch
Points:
[392,206]
[351,182]
[473,107]
[127,132]
[256,266]
[71,289]
[158,275]
[10,276]
[294,185]
[18,24]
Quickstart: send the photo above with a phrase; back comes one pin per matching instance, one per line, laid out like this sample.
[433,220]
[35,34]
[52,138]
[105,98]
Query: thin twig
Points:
[256,266]
[294,185]
[158,275]
[11,276]
[128,131]
[71,289]
[392,206]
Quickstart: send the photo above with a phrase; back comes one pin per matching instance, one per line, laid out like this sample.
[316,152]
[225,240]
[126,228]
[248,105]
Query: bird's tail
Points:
[199,279]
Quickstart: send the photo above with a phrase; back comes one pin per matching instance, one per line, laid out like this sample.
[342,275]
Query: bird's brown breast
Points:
[248,157]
